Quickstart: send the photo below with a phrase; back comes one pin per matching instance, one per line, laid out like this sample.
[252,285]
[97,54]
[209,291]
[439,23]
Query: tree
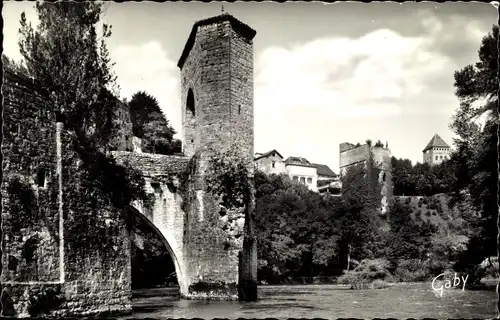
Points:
[477,162]
[358,219]
[66,55]
[295,231]
[14,66]
[149,124]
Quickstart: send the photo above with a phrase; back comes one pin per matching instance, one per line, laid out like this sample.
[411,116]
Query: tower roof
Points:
[241,28]
[436,142]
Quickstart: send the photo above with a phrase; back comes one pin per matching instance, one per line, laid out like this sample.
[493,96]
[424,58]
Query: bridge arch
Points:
[180,270]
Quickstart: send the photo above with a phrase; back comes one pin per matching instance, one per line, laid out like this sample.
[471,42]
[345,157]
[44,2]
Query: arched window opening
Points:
[40,178]
[190,107]
[239,109]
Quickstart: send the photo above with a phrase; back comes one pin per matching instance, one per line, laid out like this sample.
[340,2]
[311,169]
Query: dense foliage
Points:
[228,177]
[150,124]
[422,179]
[65,53]
[477,170]
[302,234]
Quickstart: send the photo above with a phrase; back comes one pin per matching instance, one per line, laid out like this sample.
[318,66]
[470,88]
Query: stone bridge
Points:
[210,256]
[66,247]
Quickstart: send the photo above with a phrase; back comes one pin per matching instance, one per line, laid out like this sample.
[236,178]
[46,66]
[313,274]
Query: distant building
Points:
[351,155]
[297,168]
[328,181]
[436,151]
[270,162]
[324,172]
[301,170]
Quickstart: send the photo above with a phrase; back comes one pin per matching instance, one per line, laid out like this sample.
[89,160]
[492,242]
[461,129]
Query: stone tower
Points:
[217,86]
[351,155]
[436,151]
[217,113]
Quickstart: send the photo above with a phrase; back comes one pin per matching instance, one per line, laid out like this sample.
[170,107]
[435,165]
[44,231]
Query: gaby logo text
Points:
[440,283]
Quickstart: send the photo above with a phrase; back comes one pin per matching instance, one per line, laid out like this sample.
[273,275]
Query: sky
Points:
[324,74]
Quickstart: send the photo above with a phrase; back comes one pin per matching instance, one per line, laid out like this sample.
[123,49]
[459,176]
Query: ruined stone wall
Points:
[81,268]
[29,187]
[351,155]
[382,158]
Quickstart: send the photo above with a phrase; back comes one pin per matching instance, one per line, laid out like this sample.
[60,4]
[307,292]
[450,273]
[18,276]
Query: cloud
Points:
[315,95]
[148,67]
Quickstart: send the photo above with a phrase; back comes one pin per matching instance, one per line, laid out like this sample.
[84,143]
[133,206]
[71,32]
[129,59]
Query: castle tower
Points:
[217,86]
[217,113]
[351,155]
[436,151]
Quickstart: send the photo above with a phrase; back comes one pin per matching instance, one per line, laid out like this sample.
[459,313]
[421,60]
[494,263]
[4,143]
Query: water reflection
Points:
[323,301]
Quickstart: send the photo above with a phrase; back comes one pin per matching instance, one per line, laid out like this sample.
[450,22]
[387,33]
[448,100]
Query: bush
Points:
[411,270]
[366,273]
[408,200]
[428,213]
[436,267]
[425,201]
[489,271]
[418,214]
[379,284]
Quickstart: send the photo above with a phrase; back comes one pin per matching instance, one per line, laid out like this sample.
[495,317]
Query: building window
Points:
[239,109]
[302,180]
[273,164]
[295,178]
[309,180]
[436,157]
[383,177]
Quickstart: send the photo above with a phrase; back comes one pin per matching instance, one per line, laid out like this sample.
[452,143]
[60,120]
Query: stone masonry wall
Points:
[206,73]
[241,99]
[218,69]
[30,236]
[213,239]
[97,246]
[351,155]
[88,272]
[30,250]
[163,212]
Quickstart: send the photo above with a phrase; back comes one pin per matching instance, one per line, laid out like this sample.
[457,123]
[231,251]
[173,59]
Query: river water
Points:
[323,301]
